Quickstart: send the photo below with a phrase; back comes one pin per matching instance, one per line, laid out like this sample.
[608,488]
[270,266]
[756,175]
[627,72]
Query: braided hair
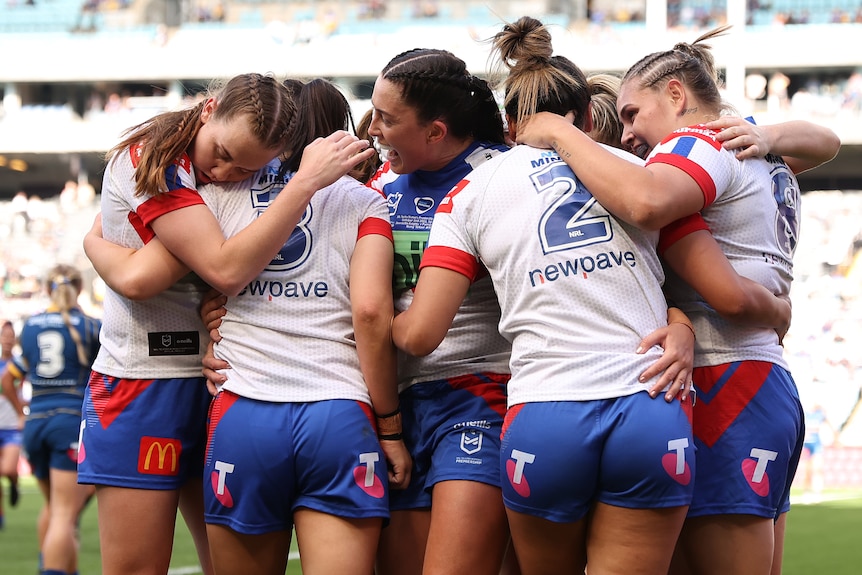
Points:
[264,101]
[692,64]
[438,86]
[64,286]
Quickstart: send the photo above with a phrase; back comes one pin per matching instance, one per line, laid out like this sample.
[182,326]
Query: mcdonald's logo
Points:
[159,456]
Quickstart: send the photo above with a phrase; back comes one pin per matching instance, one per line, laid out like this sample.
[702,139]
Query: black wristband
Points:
[390,437]
[388,415]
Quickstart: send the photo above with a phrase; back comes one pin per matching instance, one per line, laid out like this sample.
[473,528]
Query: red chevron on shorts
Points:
[111,395]
[738,383]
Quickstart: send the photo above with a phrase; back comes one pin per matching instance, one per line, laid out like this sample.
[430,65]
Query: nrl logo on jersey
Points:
[471,441]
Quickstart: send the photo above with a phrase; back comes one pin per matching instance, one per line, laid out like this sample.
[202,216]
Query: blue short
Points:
[143,433]
[452,429]
[51,441]
[813,447]
[748,428]
[560,458]
[265,460]
[10,437]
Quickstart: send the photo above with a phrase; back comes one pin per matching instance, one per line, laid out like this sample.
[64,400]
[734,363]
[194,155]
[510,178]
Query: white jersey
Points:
[752,208]
[162,337]
[288,335]
[8,415]
[578,289]
[472,344]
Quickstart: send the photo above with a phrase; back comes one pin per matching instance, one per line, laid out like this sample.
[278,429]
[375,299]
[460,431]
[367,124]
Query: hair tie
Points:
[60,280]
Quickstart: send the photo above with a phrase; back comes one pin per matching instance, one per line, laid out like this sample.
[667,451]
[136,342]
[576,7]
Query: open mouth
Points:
[384,152]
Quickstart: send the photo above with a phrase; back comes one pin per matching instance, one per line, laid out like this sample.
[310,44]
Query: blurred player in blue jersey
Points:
[748,420]
[11,422]
[57,348]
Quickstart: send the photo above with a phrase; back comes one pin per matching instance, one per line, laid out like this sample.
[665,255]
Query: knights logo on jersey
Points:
[392,201]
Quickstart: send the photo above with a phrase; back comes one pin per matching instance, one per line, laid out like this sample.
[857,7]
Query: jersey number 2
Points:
[571,220]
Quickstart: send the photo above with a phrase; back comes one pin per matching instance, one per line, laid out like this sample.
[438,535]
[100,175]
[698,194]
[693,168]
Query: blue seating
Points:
[43,16]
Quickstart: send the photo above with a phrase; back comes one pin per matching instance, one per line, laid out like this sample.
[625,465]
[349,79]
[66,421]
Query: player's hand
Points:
[676,363]
[210,366]
[212,310]
[746,139]
[783,329]
[539,130]
[399,463]
[326,159]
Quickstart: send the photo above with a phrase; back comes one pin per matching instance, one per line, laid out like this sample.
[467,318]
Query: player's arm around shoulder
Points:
[136,274]
[803,145]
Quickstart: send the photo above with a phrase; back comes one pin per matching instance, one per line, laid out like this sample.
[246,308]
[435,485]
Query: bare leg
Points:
[510,562]
[67,498]
[136,529]
[403,542]
[679,564]
[44,516]
[547,548]
[9,456]
[192,508]
[626,541]
[238,554]
[330,545]
[778,549]
[816,464]
[469,531]
[721,544]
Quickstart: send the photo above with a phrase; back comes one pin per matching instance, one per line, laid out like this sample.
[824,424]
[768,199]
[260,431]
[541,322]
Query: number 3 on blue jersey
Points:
[571,220]
[298,247]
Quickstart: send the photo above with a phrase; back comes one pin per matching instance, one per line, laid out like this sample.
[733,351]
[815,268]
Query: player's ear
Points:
[208,110]
[436,131]
[512,131]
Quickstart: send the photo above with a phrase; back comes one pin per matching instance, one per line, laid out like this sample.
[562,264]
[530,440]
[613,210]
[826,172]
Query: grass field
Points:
[19,552]
[822,538]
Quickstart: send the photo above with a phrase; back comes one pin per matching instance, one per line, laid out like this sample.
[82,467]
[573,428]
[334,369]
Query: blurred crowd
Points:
[822,345]
[90,15]
[35,234]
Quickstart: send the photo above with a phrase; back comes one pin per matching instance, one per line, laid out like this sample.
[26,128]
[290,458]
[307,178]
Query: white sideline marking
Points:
[196,570]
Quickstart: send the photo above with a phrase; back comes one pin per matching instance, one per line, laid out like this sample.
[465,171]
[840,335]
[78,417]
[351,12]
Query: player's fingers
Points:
[654,338]
[678,385]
